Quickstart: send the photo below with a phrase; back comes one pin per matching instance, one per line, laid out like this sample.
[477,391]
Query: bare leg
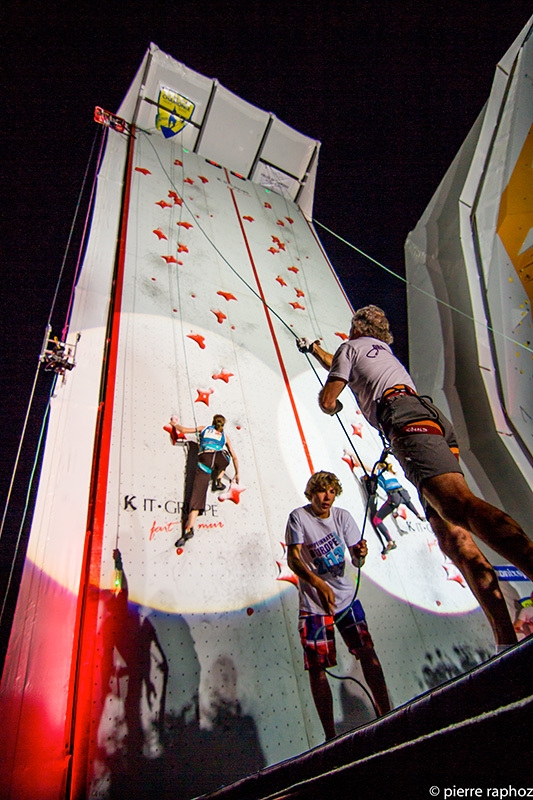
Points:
[376,680]
[450,496]
[322,696]
[191,519]
[457,543]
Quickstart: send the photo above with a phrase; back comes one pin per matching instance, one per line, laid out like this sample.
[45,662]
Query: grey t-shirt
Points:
[369,367]
[323,552]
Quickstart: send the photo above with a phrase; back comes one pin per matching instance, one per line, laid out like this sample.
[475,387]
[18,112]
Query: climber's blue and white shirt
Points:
[388,482]
[211,439]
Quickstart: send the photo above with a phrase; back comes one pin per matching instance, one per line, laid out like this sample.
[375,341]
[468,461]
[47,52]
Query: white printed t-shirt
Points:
[369,367]
[323,552]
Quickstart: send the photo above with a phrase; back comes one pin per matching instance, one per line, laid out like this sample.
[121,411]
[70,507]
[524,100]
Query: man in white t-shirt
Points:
[317,536]
[423,441]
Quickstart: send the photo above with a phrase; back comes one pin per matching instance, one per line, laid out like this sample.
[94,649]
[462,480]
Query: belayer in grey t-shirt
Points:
[423,441]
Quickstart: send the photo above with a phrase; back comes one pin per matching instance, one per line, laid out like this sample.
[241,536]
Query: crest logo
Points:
[173,112]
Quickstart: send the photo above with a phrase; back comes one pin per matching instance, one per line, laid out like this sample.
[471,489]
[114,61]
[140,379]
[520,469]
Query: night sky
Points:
[391,90]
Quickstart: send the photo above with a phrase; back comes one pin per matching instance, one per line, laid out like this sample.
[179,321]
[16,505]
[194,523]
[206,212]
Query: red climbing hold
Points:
[169,259]
[267,205]
[273,250]
[196,337]
[299,292]
[281,281]
[182,248]
[234,494]
[289,220]
[250,219]
[189,180]
[143,170]
[227,296]
[177,199]
[280,223]
[178,163]
[219,315]
[203,397]
[342,336]
[293,269]
[349,459]
[203,179]
[186,225]
[164,204]
[159,233]
[175,435]
[297,306]
[223,376]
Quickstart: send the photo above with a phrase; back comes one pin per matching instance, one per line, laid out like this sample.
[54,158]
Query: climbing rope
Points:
[423,291]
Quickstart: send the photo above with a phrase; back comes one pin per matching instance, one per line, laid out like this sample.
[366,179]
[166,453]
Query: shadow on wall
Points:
[142,750]
[356,711]
[441,667]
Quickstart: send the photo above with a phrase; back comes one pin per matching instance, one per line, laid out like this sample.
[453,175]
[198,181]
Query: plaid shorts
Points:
[317,635]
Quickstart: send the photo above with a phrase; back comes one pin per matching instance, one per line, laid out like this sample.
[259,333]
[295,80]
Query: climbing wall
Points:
[220,276]
[183,664]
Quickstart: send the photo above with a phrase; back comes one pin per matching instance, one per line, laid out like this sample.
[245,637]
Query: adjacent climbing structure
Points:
[470,267]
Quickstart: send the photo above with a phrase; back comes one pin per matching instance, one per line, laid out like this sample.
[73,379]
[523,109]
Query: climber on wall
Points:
[215,450]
